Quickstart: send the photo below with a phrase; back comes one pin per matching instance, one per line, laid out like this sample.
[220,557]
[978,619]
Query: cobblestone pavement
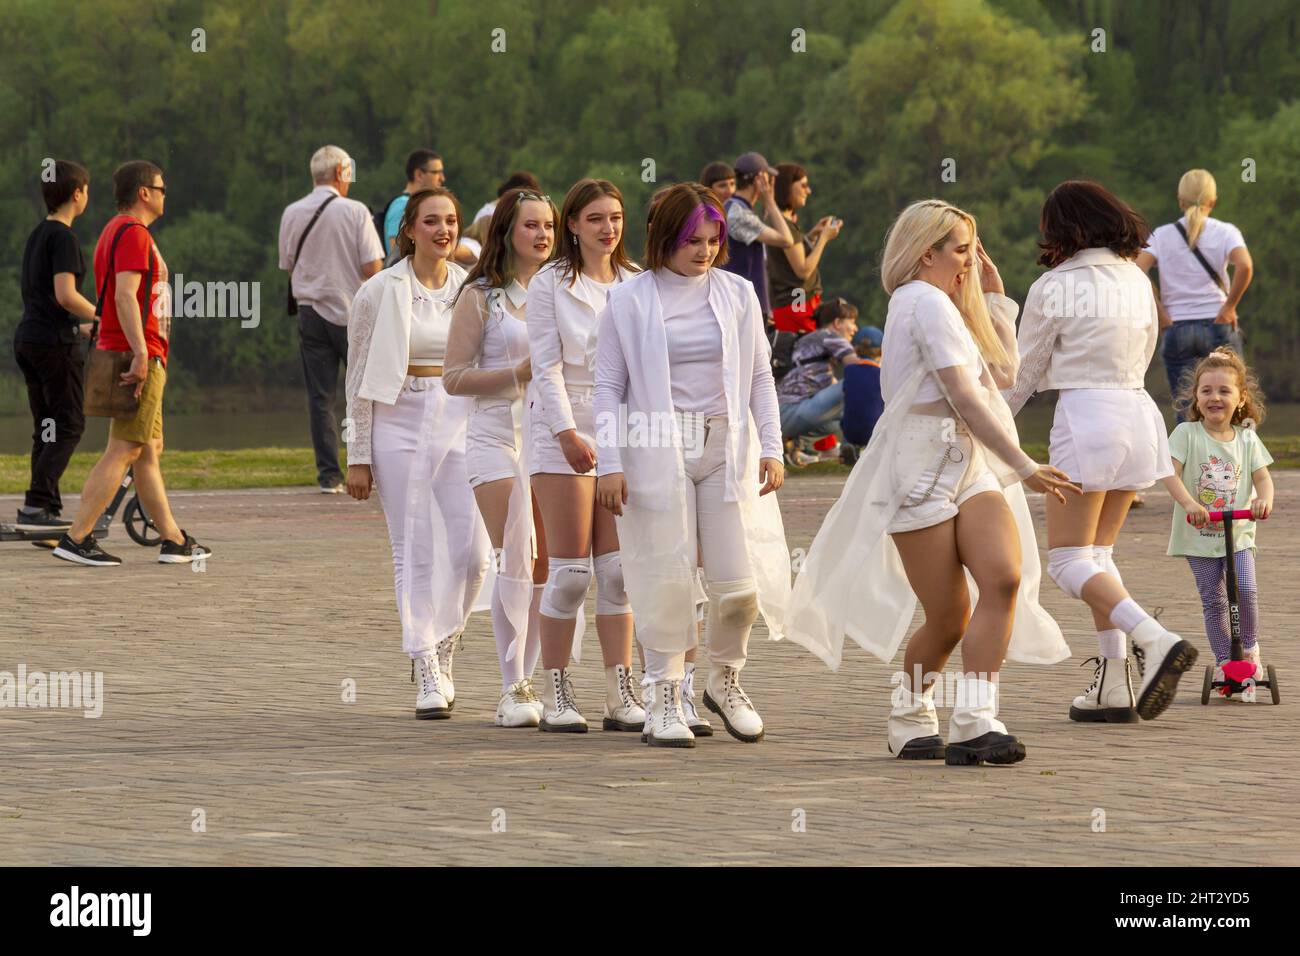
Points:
[223,703]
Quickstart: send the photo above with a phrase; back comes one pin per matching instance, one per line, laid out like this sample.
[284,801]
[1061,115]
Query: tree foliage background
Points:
[882,93]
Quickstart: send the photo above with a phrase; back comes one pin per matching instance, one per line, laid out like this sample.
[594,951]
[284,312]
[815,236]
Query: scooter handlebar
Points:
[1238,515]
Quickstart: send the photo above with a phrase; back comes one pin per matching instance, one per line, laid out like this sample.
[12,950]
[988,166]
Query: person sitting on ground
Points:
[811,398]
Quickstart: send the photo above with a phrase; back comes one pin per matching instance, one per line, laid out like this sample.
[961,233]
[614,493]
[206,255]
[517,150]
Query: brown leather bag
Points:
[105,395]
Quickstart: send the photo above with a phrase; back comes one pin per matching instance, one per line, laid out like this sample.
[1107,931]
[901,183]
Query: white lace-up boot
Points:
[699,726]
[559,711]
[1163,657]
[723,695]
[446,651]
[622,709]
[431,701]
[1109,698]
[665,724]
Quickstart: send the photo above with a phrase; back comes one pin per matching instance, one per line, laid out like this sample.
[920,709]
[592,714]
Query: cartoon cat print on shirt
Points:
[1216,488]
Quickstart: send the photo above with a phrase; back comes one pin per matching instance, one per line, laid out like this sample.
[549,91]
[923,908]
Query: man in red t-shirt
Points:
[135,316]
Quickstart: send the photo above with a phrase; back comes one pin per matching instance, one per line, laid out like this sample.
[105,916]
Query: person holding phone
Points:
[748,234]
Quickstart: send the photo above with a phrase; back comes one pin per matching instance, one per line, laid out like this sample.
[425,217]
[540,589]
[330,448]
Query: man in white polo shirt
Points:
[1197,305]
[326,268]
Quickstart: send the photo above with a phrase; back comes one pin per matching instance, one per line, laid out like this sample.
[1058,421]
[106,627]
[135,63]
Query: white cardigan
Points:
[1091,322]
[637,434]
[561,318]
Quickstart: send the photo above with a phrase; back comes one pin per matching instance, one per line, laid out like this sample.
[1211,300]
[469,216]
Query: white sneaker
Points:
[724,696]
[1252,655]
[1163,657]
[446,651]
[431,703]
[665,725]
[622,710]
[1109,698]
[699,726]
[518,706]
[559,711]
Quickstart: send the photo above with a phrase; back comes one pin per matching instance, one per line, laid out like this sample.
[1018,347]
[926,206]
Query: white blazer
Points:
[637,434]
[1091,322]
[561,318]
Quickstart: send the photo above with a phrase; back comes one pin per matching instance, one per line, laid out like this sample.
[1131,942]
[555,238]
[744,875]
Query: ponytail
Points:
[1197,191]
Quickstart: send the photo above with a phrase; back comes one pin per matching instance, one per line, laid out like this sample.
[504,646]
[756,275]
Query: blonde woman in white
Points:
[406,438]
[688,439]
[934,507]
[1197,303]
[564,300]
[487,358]
[1089,331]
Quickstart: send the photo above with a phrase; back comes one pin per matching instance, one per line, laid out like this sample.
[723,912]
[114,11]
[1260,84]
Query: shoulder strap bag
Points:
[291,306]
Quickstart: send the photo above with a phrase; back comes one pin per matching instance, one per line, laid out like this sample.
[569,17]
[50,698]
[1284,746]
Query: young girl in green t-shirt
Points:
[1221,465]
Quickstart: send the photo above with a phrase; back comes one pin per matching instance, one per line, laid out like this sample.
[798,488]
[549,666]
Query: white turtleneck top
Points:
[694,343]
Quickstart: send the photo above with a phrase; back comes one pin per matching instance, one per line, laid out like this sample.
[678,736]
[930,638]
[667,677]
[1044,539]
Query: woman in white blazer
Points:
[487,358]
[687,430]
[564,301]
[1089,330]
[406,439]
[935,505]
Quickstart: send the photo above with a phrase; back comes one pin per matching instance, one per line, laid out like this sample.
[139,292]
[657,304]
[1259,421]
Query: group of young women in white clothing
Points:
[558,414]
[475,403]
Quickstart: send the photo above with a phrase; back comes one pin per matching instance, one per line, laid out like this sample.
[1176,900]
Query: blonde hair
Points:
[1251,408]
[1197,192]
[928,224]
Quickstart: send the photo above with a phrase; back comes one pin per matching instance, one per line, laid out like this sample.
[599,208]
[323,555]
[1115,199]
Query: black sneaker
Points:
[88,552]
[40,520]
[187,552]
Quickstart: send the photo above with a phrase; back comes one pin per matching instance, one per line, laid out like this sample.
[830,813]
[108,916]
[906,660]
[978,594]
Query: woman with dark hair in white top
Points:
[1089,331]
[487,358]
[688,452]
[564,300]
[406,438]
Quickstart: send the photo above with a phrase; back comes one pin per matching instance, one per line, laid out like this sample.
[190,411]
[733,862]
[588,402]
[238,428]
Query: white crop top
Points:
[431,318]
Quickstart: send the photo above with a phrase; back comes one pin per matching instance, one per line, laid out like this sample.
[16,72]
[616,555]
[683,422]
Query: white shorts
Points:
[954,473]
[1109,439]
[490,452]
[547,457]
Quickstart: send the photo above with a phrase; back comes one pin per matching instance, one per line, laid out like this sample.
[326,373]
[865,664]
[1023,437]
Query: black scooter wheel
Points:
[1207,685]
[138,525]
[1272,685]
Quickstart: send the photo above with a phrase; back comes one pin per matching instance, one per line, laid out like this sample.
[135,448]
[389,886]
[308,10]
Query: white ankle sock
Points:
[1112,643]
[1127,615]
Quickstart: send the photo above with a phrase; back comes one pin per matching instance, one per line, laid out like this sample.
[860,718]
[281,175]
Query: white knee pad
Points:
[1071,568]
[734,604]
[566,587]
[1104,555]
[611,596]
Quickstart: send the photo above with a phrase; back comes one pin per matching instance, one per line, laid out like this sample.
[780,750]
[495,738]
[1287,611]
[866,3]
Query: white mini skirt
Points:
[1109,439]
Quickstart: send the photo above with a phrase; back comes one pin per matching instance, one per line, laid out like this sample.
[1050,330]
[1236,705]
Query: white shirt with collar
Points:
[1090,322]
[327,273]
[561,317]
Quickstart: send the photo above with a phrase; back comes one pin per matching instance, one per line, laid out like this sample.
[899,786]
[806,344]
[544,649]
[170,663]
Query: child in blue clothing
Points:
[1221,465]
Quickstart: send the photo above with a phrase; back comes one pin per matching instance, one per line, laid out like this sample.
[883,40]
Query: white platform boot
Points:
[914,726]
[724,696]
[975,735]
[446,652]
[1163,657]
[431,701]
[559,710]
[1109,698]
[622,709]
[665,725]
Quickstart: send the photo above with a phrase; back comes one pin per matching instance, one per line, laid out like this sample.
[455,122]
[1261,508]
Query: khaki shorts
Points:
[146,424]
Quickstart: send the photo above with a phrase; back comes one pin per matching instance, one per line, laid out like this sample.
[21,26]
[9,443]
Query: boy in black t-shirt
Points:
[47,341]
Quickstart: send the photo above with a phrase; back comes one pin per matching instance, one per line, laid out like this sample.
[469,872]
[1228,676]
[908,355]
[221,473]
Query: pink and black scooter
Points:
[1238,674]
